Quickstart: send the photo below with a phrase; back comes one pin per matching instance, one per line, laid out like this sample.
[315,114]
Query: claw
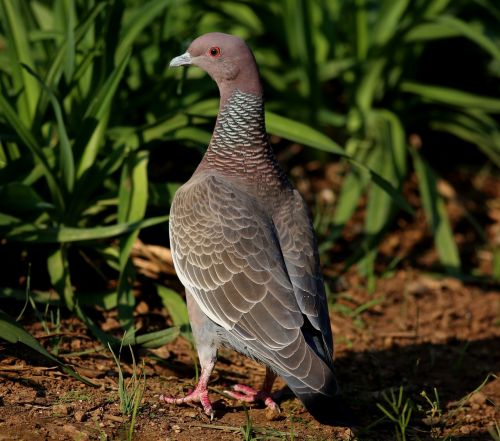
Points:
[248,394]
[198,395]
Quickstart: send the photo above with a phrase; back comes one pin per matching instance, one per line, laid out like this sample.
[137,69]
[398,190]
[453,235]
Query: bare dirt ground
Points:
[428,334]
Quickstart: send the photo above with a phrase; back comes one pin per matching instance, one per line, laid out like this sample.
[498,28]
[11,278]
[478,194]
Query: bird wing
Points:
[300,252]
[227,254]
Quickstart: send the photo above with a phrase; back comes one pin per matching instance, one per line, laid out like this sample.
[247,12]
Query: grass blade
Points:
[437,216]
[452,97]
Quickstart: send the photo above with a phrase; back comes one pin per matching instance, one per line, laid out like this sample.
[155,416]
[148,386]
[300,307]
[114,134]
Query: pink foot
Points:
[198,395]
[248,394]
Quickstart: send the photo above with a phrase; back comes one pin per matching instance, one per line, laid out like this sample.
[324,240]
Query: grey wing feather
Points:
[227,253]
[300,252]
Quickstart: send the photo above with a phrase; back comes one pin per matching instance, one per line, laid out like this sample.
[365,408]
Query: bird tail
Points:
[326,405]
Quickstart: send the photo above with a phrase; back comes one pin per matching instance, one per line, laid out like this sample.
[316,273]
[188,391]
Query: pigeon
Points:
[244,248]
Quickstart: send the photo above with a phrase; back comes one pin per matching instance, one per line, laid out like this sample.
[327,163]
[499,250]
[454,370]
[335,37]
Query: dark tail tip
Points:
[329,410]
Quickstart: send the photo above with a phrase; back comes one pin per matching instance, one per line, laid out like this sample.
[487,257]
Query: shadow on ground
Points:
[455,369]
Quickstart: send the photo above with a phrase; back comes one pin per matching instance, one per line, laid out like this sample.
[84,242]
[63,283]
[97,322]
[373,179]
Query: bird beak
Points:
[182,60]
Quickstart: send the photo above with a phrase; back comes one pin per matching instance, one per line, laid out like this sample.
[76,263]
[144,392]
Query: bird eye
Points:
[214,52]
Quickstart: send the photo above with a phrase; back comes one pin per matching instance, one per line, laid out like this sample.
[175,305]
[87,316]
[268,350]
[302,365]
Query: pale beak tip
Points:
[181,60]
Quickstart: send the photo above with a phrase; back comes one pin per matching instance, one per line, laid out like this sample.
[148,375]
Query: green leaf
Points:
[23,232]
[176,307]
[106,299]
[96,118]
[57,65]
[370,81]
[389,18]
[385,185]
[58,268]
[133,198]
[67,165]
[361,29]
[91,181]
[347,201]
[436,214]
[45,297]
[69,62]
[17,198]
[102,336]
[133,194]
[471,32]
[29,141]
[14,333]
[430,31]
[19,51]
[452,97]
[472,126]
[301,133]
[136,23]
[379,204]
[153,339]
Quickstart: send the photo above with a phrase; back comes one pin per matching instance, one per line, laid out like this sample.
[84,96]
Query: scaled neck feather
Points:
[239,144]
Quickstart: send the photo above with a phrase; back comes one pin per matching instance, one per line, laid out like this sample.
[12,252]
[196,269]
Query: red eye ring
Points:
[214,52]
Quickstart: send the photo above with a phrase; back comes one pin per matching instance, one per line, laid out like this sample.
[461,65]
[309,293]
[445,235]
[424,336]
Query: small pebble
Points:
[478,398]
[272,414]
[61,409]
[79,416]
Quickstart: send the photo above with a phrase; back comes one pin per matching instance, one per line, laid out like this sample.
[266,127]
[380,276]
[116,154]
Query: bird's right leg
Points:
[206,343]
[248,394]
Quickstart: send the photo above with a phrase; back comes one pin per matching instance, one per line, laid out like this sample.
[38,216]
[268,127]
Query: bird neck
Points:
[239,144]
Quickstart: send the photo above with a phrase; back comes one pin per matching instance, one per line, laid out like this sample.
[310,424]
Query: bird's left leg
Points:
[206,343]
[248,394]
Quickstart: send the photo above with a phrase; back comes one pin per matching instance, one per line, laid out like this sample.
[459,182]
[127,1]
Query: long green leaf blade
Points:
[96,117]
[20,52]
[29,141]
[437,216]
[22,232]
[453,97]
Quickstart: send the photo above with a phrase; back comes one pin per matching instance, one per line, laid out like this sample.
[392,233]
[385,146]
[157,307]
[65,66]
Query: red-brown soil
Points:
[423,332]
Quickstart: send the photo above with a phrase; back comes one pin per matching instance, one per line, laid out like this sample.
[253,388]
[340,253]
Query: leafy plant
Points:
[398,410]
[131,392]
[96,133]
[434,413]
[58,165]
[372,55]
[247,429]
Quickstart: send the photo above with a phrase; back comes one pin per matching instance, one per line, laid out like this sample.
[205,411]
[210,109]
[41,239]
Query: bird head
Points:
[226,58]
